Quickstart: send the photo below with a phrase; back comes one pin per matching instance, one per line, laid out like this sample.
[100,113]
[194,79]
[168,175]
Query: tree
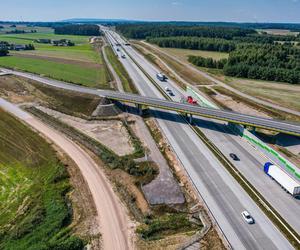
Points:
[3,52]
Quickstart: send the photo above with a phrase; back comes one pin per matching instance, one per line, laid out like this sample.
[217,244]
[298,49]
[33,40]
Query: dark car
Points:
[234,157]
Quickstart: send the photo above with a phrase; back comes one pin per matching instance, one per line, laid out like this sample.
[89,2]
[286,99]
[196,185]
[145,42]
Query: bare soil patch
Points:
[111,133]
[211,241]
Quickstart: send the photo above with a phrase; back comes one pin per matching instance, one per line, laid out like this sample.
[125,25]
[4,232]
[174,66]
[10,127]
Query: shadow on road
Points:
[175,117]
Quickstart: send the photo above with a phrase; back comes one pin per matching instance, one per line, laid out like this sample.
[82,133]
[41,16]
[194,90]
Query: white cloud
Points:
[176,3]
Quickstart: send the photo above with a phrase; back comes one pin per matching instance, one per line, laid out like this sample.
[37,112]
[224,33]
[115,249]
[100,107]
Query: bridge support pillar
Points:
[191,118]
[139,108]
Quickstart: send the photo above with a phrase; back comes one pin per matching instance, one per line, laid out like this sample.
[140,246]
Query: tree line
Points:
[78,29]
[207,62]
[138,31]
[196,43]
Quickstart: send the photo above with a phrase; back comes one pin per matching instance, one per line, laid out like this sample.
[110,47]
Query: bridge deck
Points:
[275,125]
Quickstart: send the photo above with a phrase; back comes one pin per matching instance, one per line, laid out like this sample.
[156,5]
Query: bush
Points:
[156,228]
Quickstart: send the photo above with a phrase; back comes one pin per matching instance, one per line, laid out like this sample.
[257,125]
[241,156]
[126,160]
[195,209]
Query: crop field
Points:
[79,64]
[282,94]
[34,213]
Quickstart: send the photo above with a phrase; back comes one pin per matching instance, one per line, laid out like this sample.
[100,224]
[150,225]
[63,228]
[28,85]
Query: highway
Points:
[252,160]
[219,190]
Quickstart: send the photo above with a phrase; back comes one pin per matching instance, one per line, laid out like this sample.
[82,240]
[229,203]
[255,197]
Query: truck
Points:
[282,178]
[161,77]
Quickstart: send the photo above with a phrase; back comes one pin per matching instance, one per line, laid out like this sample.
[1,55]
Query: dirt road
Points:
[113,220]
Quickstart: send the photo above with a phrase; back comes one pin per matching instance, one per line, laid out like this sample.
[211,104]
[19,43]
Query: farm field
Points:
[79,64]
[286,95]
[34,213]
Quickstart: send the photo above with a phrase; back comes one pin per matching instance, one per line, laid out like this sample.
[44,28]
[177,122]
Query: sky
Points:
[158,10]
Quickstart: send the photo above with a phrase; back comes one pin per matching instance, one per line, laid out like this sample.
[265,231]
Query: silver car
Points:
[247,217]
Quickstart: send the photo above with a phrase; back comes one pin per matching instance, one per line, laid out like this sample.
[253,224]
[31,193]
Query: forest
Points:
[265,62]
[197,43]
[138,31]
[78,29]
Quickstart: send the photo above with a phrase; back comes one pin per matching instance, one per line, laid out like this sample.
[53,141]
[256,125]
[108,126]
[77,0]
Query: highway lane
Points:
[252,161]
[220,191]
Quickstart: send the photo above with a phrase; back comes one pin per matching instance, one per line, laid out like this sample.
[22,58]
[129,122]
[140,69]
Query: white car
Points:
[167,89]
[247,217]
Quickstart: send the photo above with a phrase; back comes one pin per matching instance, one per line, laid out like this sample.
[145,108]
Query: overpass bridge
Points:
[229,116]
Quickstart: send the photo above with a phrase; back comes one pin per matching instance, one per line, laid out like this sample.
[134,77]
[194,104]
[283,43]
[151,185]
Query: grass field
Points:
[61,71]
[34,212]
[120,70]
[183,54]
[82,52]
[286,95]
[80,64]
